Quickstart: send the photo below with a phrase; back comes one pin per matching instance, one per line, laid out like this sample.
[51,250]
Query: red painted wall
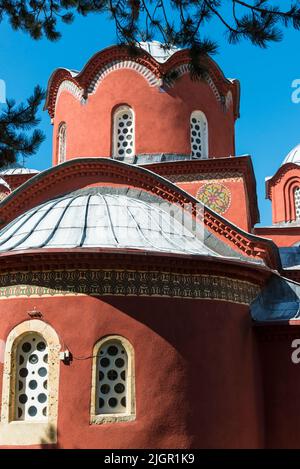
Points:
[238,210]
[197,373]
[281,384]
[283,237]
[162,119]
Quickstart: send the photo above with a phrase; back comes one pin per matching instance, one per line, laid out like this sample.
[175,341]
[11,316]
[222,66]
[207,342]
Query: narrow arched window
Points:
[31,378]
[62,143]
[123,133]
[297,202]
[113,381]
[199,135]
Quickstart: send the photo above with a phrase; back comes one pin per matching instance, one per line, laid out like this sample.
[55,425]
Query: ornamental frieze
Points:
[126,283]
[224,176]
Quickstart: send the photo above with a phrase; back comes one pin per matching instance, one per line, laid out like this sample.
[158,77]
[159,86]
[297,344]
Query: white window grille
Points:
[62,143]
[112,396]
[199,135]
[123,133]
[32,378]
[297,203]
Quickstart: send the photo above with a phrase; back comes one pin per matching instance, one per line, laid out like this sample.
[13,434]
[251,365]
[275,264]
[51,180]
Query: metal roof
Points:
[16,168]
[93,218]
[159,51]
[293,156]
[4,183]
[279,300]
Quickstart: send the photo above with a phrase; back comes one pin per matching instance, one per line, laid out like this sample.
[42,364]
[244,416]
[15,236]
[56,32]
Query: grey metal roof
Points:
[278,301]
[93,218]
[290,257]
[158,50]
[16,168]
[4,183]
[293,156]
[145,158]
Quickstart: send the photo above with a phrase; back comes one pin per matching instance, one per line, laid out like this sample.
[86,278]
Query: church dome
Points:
[158,50]
[293,156]
[100,218]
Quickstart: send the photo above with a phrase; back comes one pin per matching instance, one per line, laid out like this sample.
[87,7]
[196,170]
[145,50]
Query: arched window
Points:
[297,202]
[123,133]
[31,378]
[62,143]
[199,135]
[113,381]
[30,385]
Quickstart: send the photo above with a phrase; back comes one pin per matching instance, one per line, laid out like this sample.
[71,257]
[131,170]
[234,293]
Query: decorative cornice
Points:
[131,259]
[157,74]
[278,176]
[225,176]
[15,180]
[72,88]
[150,77]
[82,172]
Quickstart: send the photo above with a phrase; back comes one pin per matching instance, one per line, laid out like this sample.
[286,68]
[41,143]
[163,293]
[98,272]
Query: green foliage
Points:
[174,22]
[15,122]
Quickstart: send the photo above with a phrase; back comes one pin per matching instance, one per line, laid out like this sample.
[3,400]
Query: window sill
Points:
[111,418]
[27,433]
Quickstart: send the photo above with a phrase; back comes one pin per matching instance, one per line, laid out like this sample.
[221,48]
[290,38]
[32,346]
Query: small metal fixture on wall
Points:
[35,314]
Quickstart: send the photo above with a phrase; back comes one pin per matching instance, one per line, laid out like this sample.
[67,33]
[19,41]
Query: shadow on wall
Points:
[51,435]
[183,323]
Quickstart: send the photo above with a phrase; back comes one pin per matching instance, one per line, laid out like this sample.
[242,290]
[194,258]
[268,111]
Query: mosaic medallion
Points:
[215,196]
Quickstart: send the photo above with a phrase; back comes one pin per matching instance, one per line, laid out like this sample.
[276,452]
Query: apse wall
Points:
[197,382]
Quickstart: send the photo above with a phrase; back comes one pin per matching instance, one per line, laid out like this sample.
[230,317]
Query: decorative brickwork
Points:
[126,283]
[156,74]
[225,176]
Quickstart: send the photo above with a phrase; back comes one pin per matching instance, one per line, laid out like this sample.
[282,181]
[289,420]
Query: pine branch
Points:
[175,22]
[15,122]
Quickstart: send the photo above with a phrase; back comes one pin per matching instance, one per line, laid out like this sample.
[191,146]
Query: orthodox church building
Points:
[140,307]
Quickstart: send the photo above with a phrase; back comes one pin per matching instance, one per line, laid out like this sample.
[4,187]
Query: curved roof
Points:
[293,156]
[16,169]
[92,218]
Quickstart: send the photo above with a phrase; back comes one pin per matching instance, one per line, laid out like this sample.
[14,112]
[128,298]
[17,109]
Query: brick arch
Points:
[80,85]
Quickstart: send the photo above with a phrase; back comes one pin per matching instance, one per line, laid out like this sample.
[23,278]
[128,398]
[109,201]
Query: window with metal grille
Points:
[31,378]
[112,379]
[123,133]
[297,202]
[62,142]
[199,135]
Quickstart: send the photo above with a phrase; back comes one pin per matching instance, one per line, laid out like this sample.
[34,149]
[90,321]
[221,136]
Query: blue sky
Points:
[269,125]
